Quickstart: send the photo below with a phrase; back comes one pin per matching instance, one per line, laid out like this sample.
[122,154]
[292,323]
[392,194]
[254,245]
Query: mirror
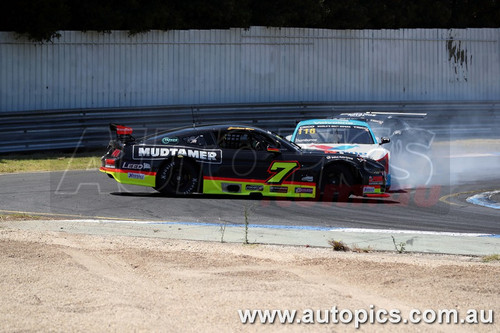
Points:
[384,140]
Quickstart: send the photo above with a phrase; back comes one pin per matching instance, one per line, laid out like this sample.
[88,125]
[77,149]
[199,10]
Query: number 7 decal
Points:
[281,170]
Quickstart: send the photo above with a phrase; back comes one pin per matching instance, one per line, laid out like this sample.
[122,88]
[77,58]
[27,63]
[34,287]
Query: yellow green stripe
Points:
[212,186]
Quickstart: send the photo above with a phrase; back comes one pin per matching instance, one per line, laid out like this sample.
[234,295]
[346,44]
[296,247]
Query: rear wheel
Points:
[178,176]
[338,182]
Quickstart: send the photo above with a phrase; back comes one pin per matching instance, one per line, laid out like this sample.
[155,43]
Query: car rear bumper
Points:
[132,177]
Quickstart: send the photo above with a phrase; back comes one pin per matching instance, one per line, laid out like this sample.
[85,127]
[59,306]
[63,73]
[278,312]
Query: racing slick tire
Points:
[338,182]
[178,176]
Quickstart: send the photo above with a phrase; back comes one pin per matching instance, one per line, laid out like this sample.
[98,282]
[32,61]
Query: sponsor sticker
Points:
[160,152]
[339,157]
[240,128]
[278,189]
[368,189]
[132,175]
[303,190]
[136,166]
[166,140]
[254,188]
[376,180]
[371,189]
[307,179]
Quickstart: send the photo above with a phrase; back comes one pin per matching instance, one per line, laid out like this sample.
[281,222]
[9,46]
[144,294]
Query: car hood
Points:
[373,151]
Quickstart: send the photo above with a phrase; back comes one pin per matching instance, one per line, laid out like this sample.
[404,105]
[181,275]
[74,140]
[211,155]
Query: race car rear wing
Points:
[123,133]
[380,116]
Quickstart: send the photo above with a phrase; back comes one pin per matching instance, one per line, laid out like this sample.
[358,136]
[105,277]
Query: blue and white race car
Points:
[342,136]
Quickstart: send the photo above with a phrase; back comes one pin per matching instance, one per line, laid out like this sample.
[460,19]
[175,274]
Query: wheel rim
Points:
[338,185]
[177,177]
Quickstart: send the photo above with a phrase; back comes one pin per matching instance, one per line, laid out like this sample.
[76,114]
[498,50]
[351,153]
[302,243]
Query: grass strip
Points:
[51,161]
[491,258]
[20,217]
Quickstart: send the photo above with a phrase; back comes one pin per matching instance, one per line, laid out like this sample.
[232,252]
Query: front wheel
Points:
[338,182]
[178,176]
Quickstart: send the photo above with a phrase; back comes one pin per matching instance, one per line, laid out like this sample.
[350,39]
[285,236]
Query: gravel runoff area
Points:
[66,282]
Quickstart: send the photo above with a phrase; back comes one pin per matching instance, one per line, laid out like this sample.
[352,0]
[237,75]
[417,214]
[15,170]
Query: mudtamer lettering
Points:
[201,155]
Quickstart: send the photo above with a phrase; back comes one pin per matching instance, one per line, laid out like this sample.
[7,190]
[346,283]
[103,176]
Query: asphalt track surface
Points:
[91,194]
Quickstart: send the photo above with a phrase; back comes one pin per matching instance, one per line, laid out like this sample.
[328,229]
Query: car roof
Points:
[216,127]
[334,121]
[193,130]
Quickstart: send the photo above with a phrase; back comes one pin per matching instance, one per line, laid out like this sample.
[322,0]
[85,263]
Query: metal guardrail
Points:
[88,128]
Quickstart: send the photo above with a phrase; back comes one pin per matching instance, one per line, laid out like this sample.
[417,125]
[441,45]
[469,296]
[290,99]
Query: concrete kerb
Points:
[375,240]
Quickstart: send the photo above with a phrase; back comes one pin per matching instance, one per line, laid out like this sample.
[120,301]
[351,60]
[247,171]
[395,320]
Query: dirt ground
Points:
[56,281]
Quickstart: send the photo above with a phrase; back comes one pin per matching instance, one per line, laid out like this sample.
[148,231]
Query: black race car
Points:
[237,160]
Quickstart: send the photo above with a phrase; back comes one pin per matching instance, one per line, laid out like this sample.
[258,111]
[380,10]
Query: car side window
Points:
[261,142]
[234,140]
[246,140]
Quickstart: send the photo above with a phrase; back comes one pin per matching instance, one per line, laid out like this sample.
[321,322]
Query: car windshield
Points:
[330,133]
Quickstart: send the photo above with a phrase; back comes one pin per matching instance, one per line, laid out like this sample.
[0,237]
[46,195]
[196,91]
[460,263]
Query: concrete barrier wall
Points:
[256,65]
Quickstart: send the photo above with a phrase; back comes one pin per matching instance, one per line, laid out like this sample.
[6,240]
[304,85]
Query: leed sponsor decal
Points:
[136,166]
[159,153]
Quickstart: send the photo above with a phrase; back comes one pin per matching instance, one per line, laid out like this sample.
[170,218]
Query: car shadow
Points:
[397,191]
[198,196]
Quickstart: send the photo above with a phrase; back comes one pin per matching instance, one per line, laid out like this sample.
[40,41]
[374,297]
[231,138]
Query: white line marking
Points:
[388,231]
[347,230]
[474,155]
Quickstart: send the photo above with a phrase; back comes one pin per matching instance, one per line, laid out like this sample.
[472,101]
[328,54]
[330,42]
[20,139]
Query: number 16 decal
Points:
[281,170]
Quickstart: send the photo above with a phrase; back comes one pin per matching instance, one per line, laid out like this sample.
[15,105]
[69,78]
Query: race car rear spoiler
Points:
[381,115]
[123,133]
